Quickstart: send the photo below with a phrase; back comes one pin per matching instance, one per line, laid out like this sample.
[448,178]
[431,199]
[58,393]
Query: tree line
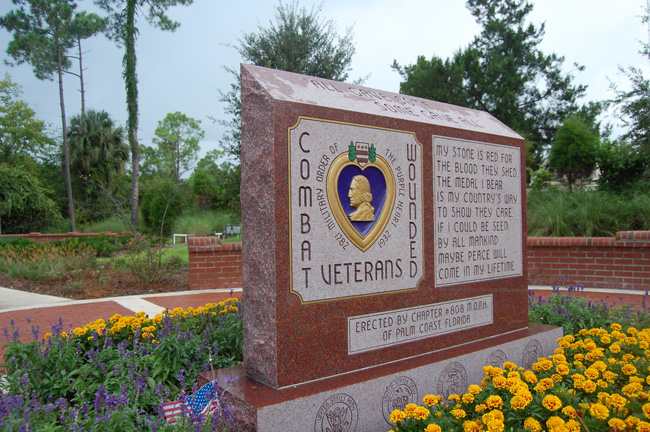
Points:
[502,71]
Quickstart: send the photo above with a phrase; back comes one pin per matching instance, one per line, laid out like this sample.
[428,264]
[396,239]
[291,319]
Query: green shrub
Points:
[113,224]
[204,223]
[558,213]
[564,309]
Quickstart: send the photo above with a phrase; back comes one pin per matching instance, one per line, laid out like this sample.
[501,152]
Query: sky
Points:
[183,70]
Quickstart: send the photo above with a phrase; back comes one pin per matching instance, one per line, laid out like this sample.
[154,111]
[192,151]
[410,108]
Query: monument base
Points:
[365,398]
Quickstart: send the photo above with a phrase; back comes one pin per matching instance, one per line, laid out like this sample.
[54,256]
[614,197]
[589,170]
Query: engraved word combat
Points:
[356,210]
[477,213]
[369,332]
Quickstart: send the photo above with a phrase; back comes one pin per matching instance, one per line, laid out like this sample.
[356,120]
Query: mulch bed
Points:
[120,284]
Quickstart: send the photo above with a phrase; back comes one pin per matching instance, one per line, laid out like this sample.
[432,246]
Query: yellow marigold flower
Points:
[431,400]
[554,422]
[578,377]
[569,411]
[470,426]
[496,414]
[644,344]
[458,413]
[495,425]
[539,388]
[455,397]
[643,427]
[628,369]
[599,411]
[605,340]
[547,383]
[619,401]
[636,379]
[409,409]
[467,398]
[632,420]
[474,389]
[64,335]
[578,357]
[47,336]
[572,426]
[611,361]
[646,410]
[559,358]
[494,401]
[115,317]
[433,428]
[563,369]
[480,408]
[518,403]
[421,413]
[397,416]
[499,382]
[495,371]
[509,365]
[530,377]
[589,386]
[552,403]
[632,389]
[632,331]
[582,332]
[599,365]
[590,346]
[91,337]
[615,348]
[485,381]
[140,314]
[616,424]
[532,425]
[487,369]
[557,377]
[591,373]
[616,326]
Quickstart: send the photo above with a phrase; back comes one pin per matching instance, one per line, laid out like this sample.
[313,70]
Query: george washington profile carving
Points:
[361,199]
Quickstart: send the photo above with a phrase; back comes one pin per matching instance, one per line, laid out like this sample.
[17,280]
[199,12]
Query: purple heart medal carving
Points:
[356,210]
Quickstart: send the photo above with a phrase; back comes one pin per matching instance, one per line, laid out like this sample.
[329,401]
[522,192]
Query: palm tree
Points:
[98,149]
[98,155]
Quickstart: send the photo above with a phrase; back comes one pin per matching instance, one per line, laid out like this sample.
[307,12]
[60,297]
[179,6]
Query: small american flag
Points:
[204,401]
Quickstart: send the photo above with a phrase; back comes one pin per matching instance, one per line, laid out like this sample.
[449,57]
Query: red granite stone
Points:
[286,341]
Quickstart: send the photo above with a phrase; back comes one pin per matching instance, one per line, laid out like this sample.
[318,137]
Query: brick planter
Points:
[214,264]
[621,262]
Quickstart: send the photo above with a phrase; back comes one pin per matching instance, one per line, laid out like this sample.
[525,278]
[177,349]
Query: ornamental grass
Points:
[115,375]
[597,380]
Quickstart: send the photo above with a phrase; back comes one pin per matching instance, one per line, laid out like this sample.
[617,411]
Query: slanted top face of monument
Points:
[379,227]
[292,87]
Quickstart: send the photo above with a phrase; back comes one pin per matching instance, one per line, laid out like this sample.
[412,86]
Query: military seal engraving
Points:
[399,393]
[453,380]
[339,413]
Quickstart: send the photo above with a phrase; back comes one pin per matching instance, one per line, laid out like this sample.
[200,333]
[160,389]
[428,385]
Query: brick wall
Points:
[621,262]
[214,264]
[42,238]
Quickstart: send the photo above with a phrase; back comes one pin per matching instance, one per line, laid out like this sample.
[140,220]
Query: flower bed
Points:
[116,374]
[597,380]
